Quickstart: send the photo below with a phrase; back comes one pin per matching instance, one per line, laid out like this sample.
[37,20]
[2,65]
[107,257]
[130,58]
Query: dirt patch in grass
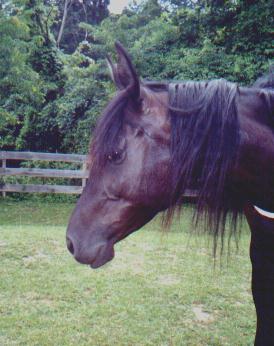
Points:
[38,257]
[128,261]
[168,280]
[2,243]
[202,316]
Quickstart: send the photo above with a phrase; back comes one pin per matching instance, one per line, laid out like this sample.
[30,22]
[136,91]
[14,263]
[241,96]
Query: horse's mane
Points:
[204,145]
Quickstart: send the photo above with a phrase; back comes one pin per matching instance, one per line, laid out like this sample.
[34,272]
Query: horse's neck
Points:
[256,152]
[257,104]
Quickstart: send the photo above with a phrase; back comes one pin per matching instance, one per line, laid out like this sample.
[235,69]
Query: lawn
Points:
[162,288]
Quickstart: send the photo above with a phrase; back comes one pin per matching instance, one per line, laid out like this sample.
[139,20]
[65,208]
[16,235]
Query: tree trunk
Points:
[65,13]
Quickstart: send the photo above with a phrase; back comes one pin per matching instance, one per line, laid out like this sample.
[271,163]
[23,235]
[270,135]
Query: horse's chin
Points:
[102,258]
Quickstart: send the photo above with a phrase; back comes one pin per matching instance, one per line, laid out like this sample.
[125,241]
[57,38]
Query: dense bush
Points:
[51,94]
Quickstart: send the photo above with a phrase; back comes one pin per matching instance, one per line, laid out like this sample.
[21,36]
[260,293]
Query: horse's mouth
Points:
[104,255]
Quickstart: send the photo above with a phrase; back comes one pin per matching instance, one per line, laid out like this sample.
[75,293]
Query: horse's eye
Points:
[140,132]
[116,156]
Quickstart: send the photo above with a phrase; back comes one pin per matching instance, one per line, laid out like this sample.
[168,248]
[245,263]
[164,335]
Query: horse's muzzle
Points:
[94,255]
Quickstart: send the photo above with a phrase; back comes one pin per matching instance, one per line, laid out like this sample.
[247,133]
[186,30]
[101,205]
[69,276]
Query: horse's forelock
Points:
[108,130]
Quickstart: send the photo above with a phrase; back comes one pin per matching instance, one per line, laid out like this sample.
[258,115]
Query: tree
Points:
[21,89]
[74,12]
[50,98]
[31,78]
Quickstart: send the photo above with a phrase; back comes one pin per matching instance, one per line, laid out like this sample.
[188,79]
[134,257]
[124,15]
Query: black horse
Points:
[156,141]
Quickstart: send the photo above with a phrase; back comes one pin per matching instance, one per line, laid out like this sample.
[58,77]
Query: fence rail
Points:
[6,156]
[28,155]
[49,173]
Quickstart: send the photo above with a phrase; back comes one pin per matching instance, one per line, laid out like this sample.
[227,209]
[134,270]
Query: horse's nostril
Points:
[70,246]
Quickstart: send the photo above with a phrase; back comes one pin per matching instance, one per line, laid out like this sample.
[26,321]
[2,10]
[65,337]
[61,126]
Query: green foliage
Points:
[21,88]
[50,97]
[85,94]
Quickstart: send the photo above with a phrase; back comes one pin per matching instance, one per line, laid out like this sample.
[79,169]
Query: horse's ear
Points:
[123,73]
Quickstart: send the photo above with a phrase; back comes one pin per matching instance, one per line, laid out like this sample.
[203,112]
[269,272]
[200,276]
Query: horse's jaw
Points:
[105,254]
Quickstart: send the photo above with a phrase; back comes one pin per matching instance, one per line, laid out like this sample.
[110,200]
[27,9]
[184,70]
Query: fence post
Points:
[4,165]
[84,180]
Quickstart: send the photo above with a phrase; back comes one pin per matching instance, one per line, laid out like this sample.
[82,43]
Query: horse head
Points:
[128,180]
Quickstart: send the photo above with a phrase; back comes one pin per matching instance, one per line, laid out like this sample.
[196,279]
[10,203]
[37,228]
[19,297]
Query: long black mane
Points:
[204,143]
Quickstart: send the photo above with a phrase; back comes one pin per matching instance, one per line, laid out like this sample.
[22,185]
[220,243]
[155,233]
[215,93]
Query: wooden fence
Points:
[6,156]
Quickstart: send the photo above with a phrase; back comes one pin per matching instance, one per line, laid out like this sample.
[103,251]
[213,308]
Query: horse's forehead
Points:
[155,111]
[154,103]
[153,115]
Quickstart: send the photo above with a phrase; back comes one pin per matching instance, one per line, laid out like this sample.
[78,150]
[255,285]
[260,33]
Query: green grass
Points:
[161,289]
